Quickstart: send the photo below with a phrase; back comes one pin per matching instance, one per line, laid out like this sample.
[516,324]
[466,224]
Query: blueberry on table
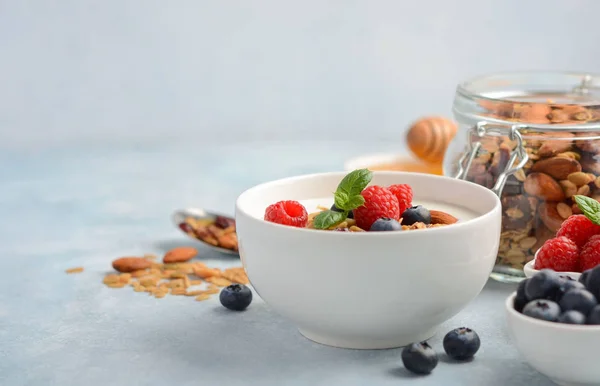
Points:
[385,224]
[520,298]
[416,214]
[542,309]
[594,316]
[461,343]
[580,300]
[543,285]
[571,317]
[419,358]
[336,209]
[236,297]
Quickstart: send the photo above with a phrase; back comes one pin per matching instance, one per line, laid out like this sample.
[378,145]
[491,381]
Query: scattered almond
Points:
[74,270]
[180,255]
[131,264]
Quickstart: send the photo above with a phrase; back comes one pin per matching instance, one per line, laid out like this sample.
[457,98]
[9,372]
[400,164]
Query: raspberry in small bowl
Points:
[576,247]
[374,284]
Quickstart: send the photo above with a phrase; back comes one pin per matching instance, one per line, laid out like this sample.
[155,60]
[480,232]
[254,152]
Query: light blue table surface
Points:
[86,206]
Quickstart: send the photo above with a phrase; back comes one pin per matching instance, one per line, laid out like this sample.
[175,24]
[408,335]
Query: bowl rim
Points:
[480,218]
[510,310]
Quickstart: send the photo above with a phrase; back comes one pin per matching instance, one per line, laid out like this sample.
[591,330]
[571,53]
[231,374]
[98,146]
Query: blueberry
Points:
[571,317]
[416,214]
[584,276]
[461,343]
[419,358]
[542,309]
[567,285]
[336,209]
[236,297]
[594,316]
[521,299]
[385,224]
[580,300]
[543,285]
[592,281]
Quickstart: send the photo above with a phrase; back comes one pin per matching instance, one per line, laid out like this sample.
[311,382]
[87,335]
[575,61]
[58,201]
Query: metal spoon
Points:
[179,217]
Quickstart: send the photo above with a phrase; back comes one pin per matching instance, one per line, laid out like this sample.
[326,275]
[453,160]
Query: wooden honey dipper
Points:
[429,137]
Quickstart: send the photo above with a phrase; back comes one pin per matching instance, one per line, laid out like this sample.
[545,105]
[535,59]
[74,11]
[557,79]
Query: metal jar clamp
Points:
[482,129]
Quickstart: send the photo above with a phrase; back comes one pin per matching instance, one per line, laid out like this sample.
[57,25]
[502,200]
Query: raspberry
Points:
[559,254]
[287,213]
[590,253]
[379,202]
[404,194]
[579,229]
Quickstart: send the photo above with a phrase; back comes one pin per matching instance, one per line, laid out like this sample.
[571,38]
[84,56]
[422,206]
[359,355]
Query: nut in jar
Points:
[534,139]
[537,196]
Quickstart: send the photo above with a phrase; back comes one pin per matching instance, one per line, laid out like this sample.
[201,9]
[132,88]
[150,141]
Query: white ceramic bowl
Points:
[530,271]
[368,290]
[565,353]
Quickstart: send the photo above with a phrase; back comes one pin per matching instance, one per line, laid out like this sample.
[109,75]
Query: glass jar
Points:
[534,139]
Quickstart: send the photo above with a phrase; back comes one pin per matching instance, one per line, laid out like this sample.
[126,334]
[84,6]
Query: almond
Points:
[557,167]
[552,147]
[180,255]
[550,216]
[439,217]
[131,264]
[543,186]
[579,178]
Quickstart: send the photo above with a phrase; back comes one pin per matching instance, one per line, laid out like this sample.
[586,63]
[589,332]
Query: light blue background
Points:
[141,70]
[113,113]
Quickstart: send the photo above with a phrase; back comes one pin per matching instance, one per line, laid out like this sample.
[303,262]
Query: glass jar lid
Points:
[540,100]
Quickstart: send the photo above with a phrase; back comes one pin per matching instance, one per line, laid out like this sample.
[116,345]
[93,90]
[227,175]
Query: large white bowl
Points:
[368,290]
[565,353]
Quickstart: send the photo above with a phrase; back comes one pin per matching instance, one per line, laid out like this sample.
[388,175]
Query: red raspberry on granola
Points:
[404,194]
[379,202]
[287,213]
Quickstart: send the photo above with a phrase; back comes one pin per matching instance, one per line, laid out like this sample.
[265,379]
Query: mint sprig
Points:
[589,207]
[346,198]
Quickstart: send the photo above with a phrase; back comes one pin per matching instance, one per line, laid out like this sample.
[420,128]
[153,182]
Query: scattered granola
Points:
[193,279]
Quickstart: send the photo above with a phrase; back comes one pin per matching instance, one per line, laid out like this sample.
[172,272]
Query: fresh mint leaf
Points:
[354,202]
[341,200]
[328,218]
[355,182]
[589,207]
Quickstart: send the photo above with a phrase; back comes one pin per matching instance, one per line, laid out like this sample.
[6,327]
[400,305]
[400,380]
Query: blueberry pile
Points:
[553,297]
[236,297]
[460,344]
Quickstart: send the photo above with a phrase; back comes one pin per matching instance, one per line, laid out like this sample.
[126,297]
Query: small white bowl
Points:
[565,353]
[368,290]
[530,271]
